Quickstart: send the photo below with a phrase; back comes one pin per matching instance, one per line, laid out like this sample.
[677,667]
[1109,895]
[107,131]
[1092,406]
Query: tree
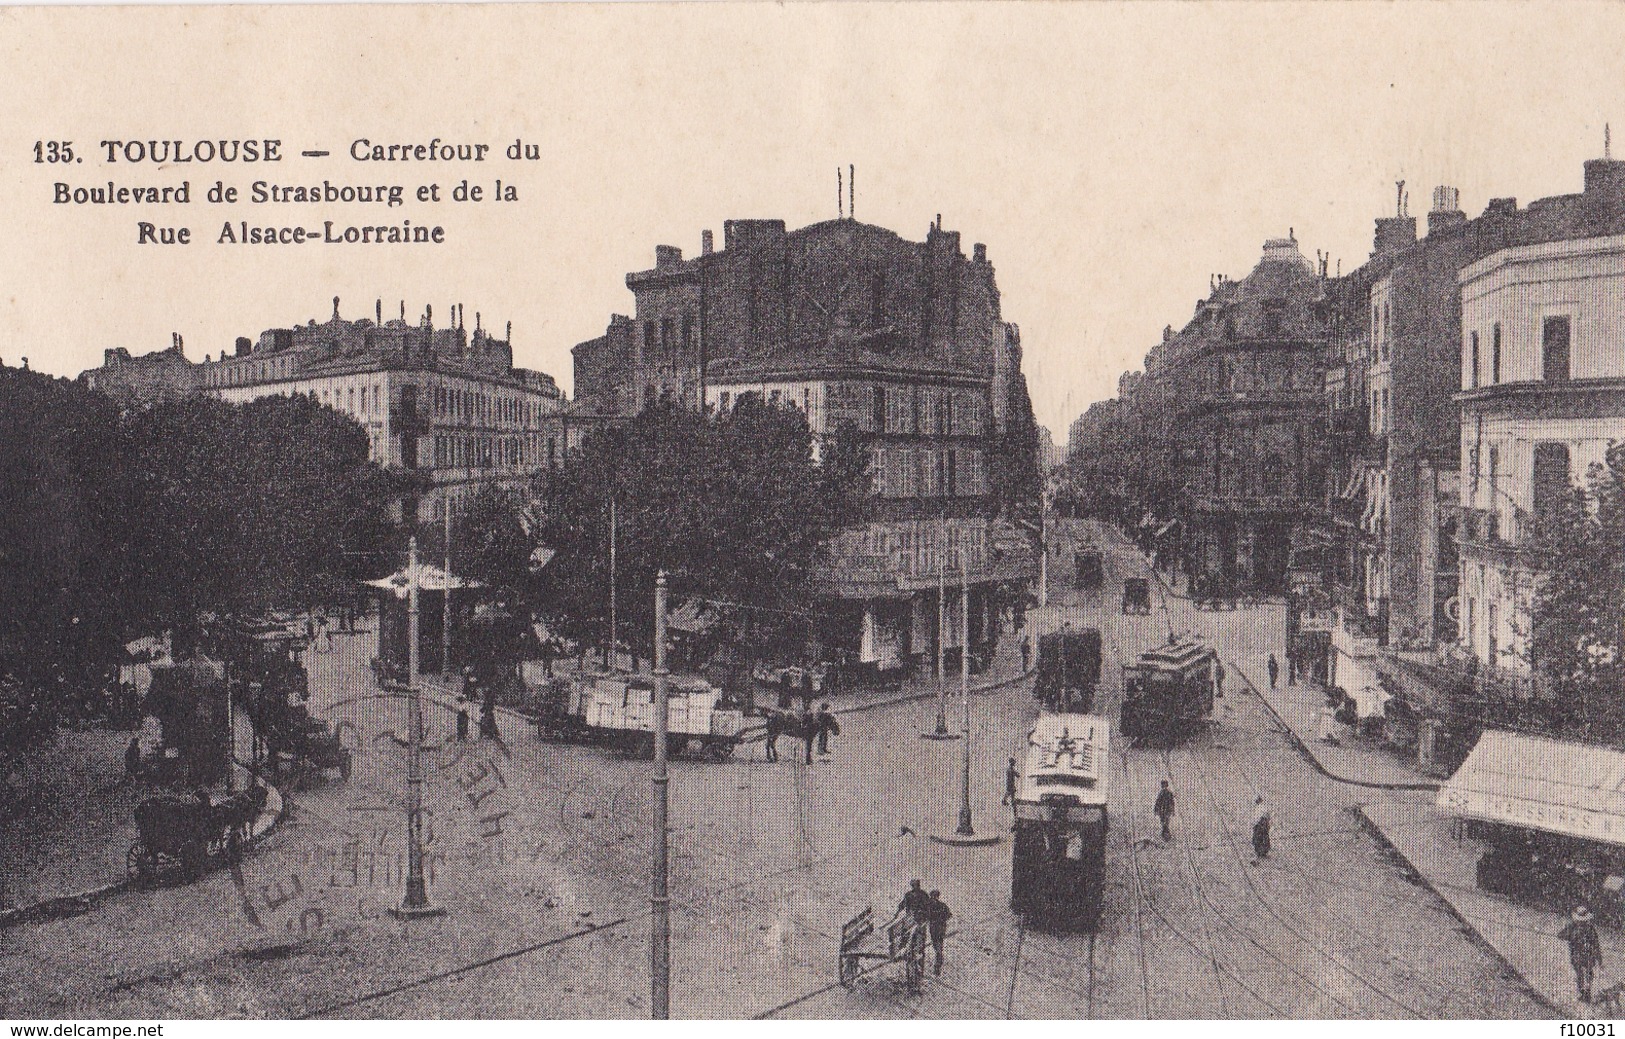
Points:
[731,503]
[1579,602]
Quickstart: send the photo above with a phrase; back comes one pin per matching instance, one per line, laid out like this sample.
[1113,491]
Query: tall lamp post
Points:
[415,904]
[965,834]
[659,899]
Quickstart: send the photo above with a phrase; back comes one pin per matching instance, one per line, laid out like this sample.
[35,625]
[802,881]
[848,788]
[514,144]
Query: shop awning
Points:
[1542,784]
[430,578]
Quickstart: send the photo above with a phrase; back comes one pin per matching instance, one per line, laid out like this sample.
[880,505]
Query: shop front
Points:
[1551,818]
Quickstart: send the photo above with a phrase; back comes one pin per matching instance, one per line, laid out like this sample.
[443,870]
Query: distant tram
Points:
[1168,691]
[1058,863]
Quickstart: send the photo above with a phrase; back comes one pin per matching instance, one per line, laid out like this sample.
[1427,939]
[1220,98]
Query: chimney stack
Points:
[1446,211]
[706,243]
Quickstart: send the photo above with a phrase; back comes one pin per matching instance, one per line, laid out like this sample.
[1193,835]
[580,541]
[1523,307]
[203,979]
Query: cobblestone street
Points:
[540,852]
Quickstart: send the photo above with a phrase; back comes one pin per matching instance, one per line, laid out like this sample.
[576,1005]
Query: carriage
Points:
[1057,869]
[866,949]
[180,834]
[265,666]
[1168,690]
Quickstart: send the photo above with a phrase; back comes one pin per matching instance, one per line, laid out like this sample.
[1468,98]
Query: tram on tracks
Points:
[1168,691]
[1057,871]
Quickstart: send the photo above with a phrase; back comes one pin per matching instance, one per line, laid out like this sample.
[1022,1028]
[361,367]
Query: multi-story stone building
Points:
[1248,420]
[1542,397]
[899,344]
[444,408]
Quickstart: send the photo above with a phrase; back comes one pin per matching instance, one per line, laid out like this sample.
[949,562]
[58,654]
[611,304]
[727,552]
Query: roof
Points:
[1176,656]
[1539,783]
[430,578]
[1067,754]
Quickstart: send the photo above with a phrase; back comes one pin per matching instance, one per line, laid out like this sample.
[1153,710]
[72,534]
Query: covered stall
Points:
[1551,814]
[434,584]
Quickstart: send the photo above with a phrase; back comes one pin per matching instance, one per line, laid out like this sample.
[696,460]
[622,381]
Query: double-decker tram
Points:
[1057,868]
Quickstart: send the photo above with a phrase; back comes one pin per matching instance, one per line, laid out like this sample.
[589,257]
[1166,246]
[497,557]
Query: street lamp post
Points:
[416,901]
[659,899]
[965,833]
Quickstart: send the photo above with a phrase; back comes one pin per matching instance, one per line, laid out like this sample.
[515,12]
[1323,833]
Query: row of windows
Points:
[661,335]
[1554,353]
[925,409]
[471,407]
[927,473]
[248,372]
[480,452]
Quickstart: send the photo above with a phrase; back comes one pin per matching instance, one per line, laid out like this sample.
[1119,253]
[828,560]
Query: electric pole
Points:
[942,732]
[445,613]
[965,834]
[416,901]
[659,900]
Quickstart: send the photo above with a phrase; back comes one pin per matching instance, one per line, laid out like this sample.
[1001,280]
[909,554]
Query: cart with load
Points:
[617,710]
[866,948]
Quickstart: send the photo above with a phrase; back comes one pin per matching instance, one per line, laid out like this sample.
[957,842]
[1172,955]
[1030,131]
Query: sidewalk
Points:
[1523,936]
[1351,760]
[68,822]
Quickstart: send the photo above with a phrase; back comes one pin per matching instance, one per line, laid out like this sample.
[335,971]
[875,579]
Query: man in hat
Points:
[937,915]
[1585,951]
[1164,809]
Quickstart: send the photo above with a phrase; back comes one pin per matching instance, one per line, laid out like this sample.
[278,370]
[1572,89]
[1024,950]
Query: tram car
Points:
[618,710]
[1168,691]
[1057,869]
[1068,669]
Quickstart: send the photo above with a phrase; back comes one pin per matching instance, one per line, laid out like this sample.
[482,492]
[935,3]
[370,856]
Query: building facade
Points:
[899,344]
[444,409]
[1542,398]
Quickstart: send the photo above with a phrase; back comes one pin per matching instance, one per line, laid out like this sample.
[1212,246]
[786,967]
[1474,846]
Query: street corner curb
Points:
[1308,753]
[78,903]
[1472,933]
[975,690]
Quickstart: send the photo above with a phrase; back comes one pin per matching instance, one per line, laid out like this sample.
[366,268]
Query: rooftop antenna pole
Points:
[852,192]
[840,195]
[1399,198]
[1607,143]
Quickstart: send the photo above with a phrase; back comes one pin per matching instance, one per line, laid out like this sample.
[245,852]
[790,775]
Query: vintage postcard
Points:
[488,531]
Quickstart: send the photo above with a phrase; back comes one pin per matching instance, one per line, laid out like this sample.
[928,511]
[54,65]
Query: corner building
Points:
[898,343]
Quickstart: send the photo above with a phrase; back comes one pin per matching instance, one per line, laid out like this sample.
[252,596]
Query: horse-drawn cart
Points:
[180,834]
[866,949]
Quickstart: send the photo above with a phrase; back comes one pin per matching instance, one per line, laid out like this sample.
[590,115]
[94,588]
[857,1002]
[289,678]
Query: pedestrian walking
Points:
[132,757]
[1274,669]
[1585,951]
[1011,777]
[1261,837]
[937,915]
[914,900]
[1218,677]
[1164,809]
[827,727]
[1026,653]
[809,732]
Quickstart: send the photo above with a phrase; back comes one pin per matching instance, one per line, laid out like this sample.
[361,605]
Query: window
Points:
[1554,343]
[648,338]
[877,416]
[1494,476]
[726,400]
[1551,478]
[666,337]
[1387,330]
[1387,419]
[688,332]
[1272,317]
[1495,353]
[1472,371]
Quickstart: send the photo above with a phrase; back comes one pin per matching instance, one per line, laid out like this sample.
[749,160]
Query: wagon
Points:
[178,836]
[866,949]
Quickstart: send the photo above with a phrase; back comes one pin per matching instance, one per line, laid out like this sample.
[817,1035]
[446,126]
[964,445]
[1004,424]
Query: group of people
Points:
[812,728]
[1163,809]
[928,908]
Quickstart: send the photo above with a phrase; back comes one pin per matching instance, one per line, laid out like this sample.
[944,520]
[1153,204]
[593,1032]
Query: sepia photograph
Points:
[487,531]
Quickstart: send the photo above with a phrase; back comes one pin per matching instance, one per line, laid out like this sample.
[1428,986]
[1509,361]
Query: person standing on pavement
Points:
[914,901]
[488,714]
[1218,677]
[1585,951]
[1274,669]
[827,727]
[775,726]
[1011,777]
[1164,809]
[937,915]
[809,731]
[1026,653]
